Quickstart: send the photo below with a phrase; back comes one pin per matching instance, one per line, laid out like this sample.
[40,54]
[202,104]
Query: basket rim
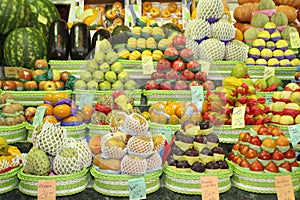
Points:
[14,127]
[11,172]
[69,128]
[98,127]
[102,92]
[37,93]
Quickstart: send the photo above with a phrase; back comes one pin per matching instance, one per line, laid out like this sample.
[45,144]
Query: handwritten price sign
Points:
[147,64]
[295,40]
[238,117]
[167,132]
[269,99]
[209,188]
[269,71]
[284,188]
[197,93]
[85,99]
[294,134]
[46,190]
[39,115]
[137,188]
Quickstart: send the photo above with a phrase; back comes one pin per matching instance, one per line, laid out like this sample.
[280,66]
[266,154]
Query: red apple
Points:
[276,131]
[277,155]
[41,85]
[236,146]
[230,156]
[290,153]
[25,75]
[256,166]
[163,65]
[179,40]
[60,85]
[37,72]
[181,85]
[171,51]
[201,76]
[186,54]
[64,76]
[244,149]
[264,130]
[166,85]
[251,153]
[282,141]
[241,135]
[255,141]
[31,85]
[50,86]
[247,138]
[194,83]
[178,65]
[257,127]
[29,113]
[272,167]
[297,76]
[209,85]
[158,75]
[187,75]
[237,159]
[8,85]
[193,65]
[244,163]
[152,85]
[286,165]
[295,164]
[172,75]
[19,85]
[264,155]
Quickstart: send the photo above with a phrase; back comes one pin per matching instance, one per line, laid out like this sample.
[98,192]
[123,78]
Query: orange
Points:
[174,120]
[169,110]
[59,96]
[48,97]
[62,110]
[204,107]
[180,111]
[50,118]
[49,108]
[175,105]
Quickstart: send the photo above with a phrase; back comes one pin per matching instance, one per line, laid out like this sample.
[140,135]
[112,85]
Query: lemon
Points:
[146,115]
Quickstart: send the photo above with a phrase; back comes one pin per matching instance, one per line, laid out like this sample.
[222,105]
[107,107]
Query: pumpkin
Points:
[280,19]
[293,3]
[241,2]
[238,34]
[289,11]
[259,20]
[243,13]
[242,27]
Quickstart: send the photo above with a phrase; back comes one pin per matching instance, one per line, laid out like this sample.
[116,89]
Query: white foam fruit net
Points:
[223,30]
[112,151]
[83,150]
[236,50]
[210,9]
[133,165]
[197,29]
[67,164]
[135,124]
[51,139]
[158,147]
[154,162]
[140,144]
[193,45]
[117,116]
[212,49]
[4,164]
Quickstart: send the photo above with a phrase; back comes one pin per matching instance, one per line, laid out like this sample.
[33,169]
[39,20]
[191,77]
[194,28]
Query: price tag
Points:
[209,188]
[137,188]
[197,93]
[238,117]
[85,99]
[167,132]
[205,66]
[42,19]
[295,40]
[147,64]
[85,14]
[294,134]
[269,99]
[39,115]
[46,190]
[269,71]
[284,188]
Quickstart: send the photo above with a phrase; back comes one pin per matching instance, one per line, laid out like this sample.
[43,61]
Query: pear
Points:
[92,85]
[92,66]
[98,76]
[105,85]
[130,85]
[86,76]
[80,85]
[99,57]
[118,85]
[116,67]
[111,57]
[105,46]
[110,76]
[104,67]
[123,76]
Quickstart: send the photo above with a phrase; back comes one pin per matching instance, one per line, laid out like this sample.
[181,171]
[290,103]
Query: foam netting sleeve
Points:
[134,126]
[223,30]
[138,145]
[51,139]
[83,150]
[236,50]
[154,162]
[210,9]
[4,164]
[159,146]
[212,49]
[193,45]
[197,29]
[112,151]
[133,165]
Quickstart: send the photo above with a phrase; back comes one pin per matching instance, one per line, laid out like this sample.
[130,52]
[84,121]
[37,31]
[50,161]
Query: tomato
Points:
[62,110]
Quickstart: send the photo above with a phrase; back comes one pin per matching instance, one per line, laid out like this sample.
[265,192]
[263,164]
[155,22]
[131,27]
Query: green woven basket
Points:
[228,135]
[78,132]
[189,183]
[14,133]
[33,98]
[72,66]
[117,184]
[97,129]
[259,182]
[65,184]
[9,180]
[134,64]
[154,127]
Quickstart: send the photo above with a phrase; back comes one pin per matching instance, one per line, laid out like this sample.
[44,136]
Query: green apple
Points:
[123,76]
[116,67]
[92,66]
[86,76]
[105,46]
[105,85]
[80,85]
[99,57]
[110,76]
[92,85]
[98,76]
[105,67]
[118,85]
[130,85]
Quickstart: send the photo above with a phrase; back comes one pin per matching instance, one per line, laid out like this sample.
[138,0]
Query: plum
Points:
[198,167]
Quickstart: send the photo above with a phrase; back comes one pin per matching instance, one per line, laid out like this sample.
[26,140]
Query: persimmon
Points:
[50,118]
[62,110]
[49,108]
[58,96]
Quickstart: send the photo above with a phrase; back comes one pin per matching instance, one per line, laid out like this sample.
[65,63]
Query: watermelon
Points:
[13,14]
[23,46]
[43,13]
[2,40]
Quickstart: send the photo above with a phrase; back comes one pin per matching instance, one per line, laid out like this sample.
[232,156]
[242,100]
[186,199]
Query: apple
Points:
[64,76]
[193,65]
[264,130]
[269,143]
[166,85]
[1,83]
[244,149]
[186,54]
[286,165]
[276,131]
[29,113]
[230,156]
[272,167]
[256,166]
[8,85]
[282,141]
[255,141]
[251,153]
[241,135]
[209,85]
[60,85]
[237,159]
[236,146]
[56,75]
[25,75]
[151,85]
[194,83]
[295,164]
[158,75]
[264,155]
[171,52]
[244,163]
[19,85]
[179,40]
[290,153]
[172,75]
[277,155]
[178,65]
[201,76]
[163,65]
[37,72]
[181,85]
[187,75]
[50,86]
[297,76]
[247,138]
[41,85]
[31,85]
[257,127]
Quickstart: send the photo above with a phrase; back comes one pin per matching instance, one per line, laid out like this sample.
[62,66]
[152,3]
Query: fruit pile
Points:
[285,108]
[108,106]
[175,113]
[10,156]
[178,70]
[297,76]
[11,113]
[54,153]
[104,72]
[264,149]
[129,150]
[195,149]
[60,108]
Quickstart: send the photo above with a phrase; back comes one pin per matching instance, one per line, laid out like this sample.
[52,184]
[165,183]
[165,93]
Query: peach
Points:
[94,144]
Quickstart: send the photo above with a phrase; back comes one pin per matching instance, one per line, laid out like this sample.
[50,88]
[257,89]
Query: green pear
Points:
[118,85]
[104,67]
[98,76]
[110,76]
[99,57]
[116,67]
[111,57]
[105,85]
[79,85]
[86,76]
[105,46]
[130,85]
[92,66]
[92,85]
[123,76]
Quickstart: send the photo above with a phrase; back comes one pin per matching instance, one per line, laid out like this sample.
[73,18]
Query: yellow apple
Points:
[50,86]
[56,75]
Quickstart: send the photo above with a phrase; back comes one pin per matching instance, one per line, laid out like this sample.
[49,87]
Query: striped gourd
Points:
[13,14]
[23,46]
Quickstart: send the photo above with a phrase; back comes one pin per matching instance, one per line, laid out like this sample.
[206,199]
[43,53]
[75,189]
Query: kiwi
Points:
[8,96]
[2,99]
[23,119]
[8,109]
[10,121]
[18,107]
[1,122]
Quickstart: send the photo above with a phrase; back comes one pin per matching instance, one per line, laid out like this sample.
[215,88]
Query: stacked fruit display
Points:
[285,108]
[195,149]
[178,70]
[104,72]
[107,105]
[12,113]
[130,149]
[60,108]
[297,76]
[10,156]
[54,153]
[264,149]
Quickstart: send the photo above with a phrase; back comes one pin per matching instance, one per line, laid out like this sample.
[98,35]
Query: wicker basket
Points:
[72,66]
[33,98]
[154,127]
[189,183]
[228,135]
[135,69]
[9,180]
[259,182]
[97,129]
[65,184]
[117,184]
[14,133]
[78,132]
